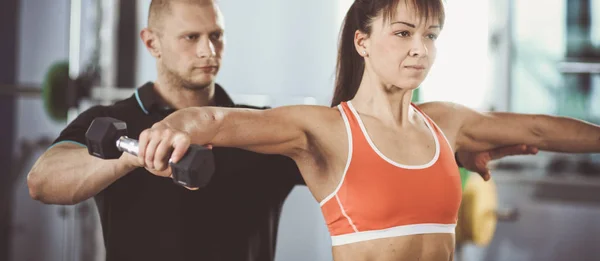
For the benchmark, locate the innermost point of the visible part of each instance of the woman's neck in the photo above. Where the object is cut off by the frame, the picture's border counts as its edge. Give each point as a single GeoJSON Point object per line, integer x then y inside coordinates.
{"type": "Point", "coordinates": [388, 103]}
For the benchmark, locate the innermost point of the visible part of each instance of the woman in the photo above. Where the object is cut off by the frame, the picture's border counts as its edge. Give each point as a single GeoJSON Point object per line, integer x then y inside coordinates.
{"type": "Point", "coordinates": [382, 169]}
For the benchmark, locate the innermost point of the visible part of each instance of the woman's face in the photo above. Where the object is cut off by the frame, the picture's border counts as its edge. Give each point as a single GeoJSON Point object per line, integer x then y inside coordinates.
{"type": "Point", "coordinates": [402, 50]}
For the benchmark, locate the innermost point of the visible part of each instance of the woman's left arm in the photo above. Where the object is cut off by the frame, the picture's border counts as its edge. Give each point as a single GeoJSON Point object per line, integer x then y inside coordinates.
{"type": "Point", "coordinates": [484, 131]}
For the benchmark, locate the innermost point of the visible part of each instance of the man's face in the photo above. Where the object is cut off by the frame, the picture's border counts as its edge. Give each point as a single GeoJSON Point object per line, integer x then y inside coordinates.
{"type": "Point", "coordinates": [191, 44]}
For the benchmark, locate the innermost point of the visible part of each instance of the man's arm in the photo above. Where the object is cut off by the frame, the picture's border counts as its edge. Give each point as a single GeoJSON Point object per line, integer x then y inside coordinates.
{"type": "Point", "coordinates": [67, 174]}
{"type": "Point", "coordinates": [479, 161]}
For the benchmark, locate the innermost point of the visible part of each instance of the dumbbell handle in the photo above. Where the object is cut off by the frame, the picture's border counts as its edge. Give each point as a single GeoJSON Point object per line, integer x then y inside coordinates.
{"type": "Point", "coordinates": [190, 179]}
{"type": "Point", "coordinates": [128, 145]}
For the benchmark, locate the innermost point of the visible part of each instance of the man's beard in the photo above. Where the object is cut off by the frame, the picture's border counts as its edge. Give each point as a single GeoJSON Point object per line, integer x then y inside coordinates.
{"type": "Point", "coordinates": [179, 81]}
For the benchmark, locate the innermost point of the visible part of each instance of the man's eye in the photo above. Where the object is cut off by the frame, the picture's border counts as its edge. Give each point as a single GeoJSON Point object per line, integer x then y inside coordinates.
{"type": "Point", "coordinates": [216, 36]}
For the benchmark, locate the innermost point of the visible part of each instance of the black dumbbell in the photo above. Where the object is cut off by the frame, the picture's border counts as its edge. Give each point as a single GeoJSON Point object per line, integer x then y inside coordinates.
{"type": "Point", "coordinates": [107, 139]}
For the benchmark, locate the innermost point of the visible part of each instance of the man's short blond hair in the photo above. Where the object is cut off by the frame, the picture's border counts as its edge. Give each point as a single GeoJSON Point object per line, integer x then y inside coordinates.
{"type": "Point", "coordinates": [159, 9]}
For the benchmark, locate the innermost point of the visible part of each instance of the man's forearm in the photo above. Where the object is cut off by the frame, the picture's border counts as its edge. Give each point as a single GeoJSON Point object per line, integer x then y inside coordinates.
{"type": "Point", "coordinates": [67, 174]}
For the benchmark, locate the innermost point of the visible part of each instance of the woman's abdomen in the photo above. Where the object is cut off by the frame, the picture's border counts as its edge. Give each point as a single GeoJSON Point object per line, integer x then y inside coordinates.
{"type": "Point", "coordinates": [423, 247]}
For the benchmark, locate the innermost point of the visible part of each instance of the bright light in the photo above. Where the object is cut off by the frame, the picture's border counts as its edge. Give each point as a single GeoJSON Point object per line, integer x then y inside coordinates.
{"type": "Point", "coordinates": [460, 73]}
{"type": "Point", "coordinates": [343, 6]}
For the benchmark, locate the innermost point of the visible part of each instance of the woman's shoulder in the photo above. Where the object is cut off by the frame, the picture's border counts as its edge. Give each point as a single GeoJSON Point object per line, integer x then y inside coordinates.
{"type": "Point", "coordinates": [313, 112]}
{"type": "Point", "coordinates": [439, 109]}
{"type": "Point", "coordinates": [316, 118]}
{"type": "Point", "coordinates": [446, 115]}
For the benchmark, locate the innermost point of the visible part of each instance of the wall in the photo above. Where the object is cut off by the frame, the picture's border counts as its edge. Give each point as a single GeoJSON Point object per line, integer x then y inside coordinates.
{"type": "Point", "coordinates": [8, 18]}
{"type": "Point", "coordinates": [43, 40]}
{"type": "Point", "coordinates": [44, 232]}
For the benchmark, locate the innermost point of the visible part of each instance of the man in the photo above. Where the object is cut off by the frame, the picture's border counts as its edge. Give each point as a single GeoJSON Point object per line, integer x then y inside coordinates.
{"type": "Point", "coordinates": [146, 217]}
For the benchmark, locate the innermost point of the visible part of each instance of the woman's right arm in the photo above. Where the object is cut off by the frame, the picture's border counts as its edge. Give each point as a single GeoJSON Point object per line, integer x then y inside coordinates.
{"type": "Point", "coordinates": [284, 130]}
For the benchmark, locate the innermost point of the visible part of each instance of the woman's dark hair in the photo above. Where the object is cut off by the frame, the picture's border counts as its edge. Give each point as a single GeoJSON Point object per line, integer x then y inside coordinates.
{"type": "Point", "coordinates": [350, 65]}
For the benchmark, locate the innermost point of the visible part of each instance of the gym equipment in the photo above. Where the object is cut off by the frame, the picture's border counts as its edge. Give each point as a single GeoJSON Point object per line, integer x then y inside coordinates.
{"type": "Point", "coordinates": [55, 89]}
{"type": "Point", "coordinates": [106, 138]}
{"type": "Point", "coordinates": [22, 90]}
{"type": "Point", "coordinates": [416, 95]}
{"type": "Point", "coordinates": [479, 213]}
{"type": "Point", "coordinates": [59, 91]}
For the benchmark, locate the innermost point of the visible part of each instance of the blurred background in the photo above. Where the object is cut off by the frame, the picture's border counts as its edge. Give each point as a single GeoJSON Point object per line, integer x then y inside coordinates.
{"type": "Point", "coordinates": [528, 56]}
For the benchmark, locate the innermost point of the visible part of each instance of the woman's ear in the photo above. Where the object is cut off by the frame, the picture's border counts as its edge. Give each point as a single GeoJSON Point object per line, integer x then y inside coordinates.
{"type": "Point", "coordinates": [361, 43]}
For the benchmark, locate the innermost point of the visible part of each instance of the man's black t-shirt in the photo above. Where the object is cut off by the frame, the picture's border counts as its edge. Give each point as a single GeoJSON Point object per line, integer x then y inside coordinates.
{"type": "Point", "coordinates": [146, 217]}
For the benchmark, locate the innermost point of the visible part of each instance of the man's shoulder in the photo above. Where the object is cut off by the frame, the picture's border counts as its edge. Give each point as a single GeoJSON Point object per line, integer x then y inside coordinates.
{"type": "Point", "coordinates": [117, 108]}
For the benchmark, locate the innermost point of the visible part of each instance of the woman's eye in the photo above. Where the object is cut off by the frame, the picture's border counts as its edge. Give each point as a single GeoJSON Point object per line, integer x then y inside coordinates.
{"type": "Point", "coordinates": [403, 33]}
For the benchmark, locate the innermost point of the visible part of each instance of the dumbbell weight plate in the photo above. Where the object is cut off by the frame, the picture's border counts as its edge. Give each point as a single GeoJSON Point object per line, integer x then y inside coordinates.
{"type": "Point", "coordinates": [198, 159]}
{"type": "Point", "coordinates": [54, 91]}
{"type": "Point", "coordinates": [102, 135]}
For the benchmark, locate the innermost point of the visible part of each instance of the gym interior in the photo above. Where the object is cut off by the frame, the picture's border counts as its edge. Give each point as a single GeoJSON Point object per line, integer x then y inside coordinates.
{"type": "Point", "coordinates": [526, 56]}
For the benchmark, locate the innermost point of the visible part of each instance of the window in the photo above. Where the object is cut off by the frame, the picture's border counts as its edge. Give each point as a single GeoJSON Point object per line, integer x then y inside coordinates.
{"type": "Point", "coordinates": [556, 58]}
{"type": "Point", "coordinates": [460, 73]}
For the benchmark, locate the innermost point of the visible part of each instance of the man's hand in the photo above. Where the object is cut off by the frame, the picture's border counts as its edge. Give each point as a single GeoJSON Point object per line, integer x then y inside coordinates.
{"type": "Point", "coordinates": [478, 161]}
{"type": "Point", "coordinates": [133, 162]}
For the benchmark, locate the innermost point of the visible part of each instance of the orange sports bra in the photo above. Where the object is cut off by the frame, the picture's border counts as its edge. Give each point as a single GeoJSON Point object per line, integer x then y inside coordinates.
{"type": "Point", "coordinates": [379, 198]}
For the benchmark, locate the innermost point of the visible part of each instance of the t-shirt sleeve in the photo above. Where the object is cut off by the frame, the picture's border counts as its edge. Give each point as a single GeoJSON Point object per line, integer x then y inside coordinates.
{"type": "Point", "coordinates": [76, 129]}
{"type": "Point", "coordinates": [285, 169]}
